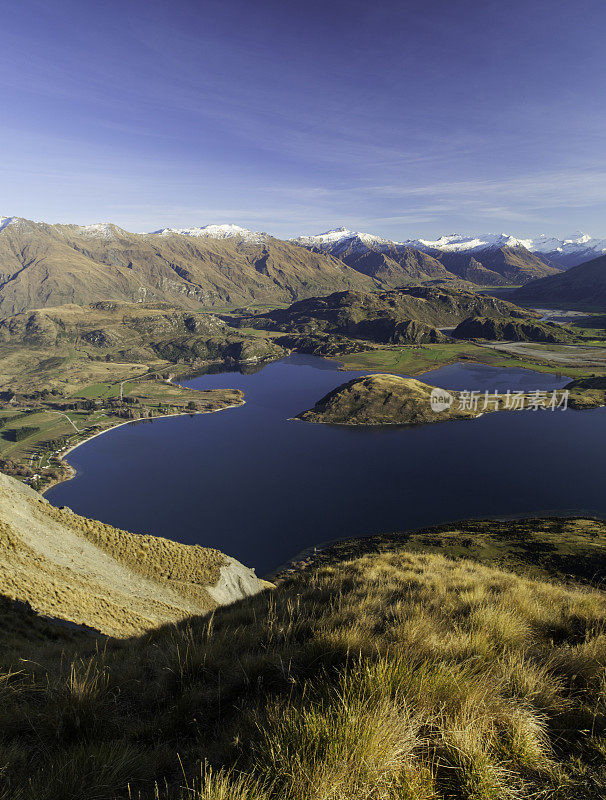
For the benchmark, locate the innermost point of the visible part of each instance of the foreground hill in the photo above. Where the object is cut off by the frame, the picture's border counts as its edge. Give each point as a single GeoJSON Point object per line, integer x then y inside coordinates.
{"type": "Point", "coordinates": [373, 673]}
{"type": "Point", "coordinates": [580, 286]}
{"type": "Point", "coordinates": [85, 572]}
{"type": "Point", "coordinates": [49, 265]}
{"type": "Point", "coordinates": [411, 314]}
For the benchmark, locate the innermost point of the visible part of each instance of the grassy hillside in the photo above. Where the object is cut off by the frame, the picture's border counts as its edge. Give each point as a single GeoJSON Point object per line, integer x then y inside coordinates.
{"type": "Point", "coordinates": [382, 675]}
{"type": "Point", "coordinates": [49, 265]}
{"type": "Point", "coordinates": [384, 316]}
{"type": "Point", "coordinates": [556, 549]}
{"type": "Point", "coordinates": [89, 573]}
{"type": "Point", "coordinates": [66, 347]}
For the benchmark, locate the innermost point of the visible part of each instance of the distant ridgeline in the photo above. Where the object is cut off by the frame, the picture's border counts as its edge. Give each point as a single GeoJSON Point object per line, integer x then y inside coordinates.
{"type": "Point", "coordinates": [223, 266]}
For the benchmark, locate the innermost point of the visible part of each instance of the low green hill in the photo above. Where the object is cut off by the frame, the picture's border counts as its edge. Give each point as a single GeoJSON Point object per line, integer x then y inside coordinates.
{"type": "Point", "coordinates": [393, 400]}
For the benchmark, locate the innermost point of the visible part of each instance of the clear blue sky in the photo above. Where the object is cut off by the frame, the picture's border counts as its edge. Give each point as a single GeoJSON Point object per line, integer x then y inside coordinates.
{"type": "Point", "coordinates": [406, 118]}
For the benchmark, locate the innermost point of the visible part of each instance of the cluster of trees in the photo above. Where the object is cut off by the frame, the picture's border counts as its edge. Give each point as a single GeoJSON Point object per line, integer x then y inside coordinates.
{"type": "Point", "coordinates": [51, 445]}
{"type": "Point", "coordinates": [41, 394]}
{"type": "Point", "coordinates": [17, 434]}
{"type": "Point", "coordinates": [80, 405]}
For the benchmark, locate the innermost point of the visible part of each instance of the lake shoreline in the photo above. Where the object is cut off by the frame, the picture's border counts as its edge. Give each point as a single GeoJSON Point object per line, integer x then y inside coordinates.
{"type": "Point", "coordinates": [240, 458]}
{"type": "Point", "coordinates": [72, 472]}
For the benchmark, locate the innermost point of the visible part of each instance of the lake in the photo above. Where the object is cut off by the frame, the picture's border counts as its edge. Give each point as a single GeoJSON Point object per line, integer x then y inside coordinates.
{"type": "Point", "coordinates": [261, 487]}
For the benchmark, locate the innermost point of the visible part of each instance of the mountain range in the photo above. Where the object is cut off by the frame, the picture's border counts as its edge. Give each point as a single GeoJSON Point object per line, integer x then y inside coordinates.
{"type": "Point", "coordinates": [562, 253]}
{"type": "Point", "coordinates": [45, 265]}
{"type": "Point", "coordinates": [219, 266]}
{"type": "Point", "coordinates": [494, 260]}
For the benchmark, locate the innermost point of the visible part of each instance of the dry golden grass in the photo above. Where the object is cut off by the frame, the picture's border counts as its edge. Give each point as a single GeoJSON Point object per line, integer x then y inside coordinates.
{"type": "Point", "coordinates": [89, 573]}
{"type": "Point", "coordinates": [385, 677]}
{"type": "Point", "coordinates": [185, 568]}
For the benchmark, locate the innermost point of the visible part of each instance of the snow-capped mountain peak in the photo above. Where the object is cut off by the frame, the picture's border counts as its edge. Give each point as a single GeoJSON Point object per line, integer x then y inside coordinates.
{"type": "Point", "coordinates": [561, 252]}
{"type": "Point", "coordinates": [101, 230]}
{"type": "Point", "coordinates": [455, 242]}
{"type": "Point", "coordinates": [340, 239]}
{"type": "Point", "coordinates": [226, 231]}
{"type": "Point", "coordinates": [568, 252]}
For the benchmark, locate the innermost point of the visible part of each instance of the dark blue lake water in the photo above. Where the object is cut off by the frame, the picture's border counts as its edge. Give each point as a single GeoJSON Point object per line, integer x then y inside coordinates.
{"type": "Point", "coordinates": [261, 488]}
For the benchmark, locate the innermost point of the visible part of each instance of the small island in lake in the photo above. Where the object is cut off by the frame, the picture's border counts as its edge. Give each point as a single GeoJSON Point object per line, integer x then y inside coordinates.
{"type": "Point", "coordinates": [393, 400]}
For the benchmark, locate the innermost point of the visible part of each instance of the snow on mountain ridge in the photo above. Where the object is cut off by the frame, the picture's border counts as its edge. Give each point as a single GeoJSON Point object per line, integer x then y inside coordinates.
{"type": "Point", "coordinates": [226, 231]}
{"type": "Point", "coordinates": [103, 230]}
{"type": "Point", "coordinates": [456, 242]}
{"type": "Point", "coordinates": [567, 252]}
{"type": "Point", "coordinates": [563, 252]}
{"type": "Point", "coordinates": [338, 240]}
{"type": "Point", "coordinates": [580, 242]}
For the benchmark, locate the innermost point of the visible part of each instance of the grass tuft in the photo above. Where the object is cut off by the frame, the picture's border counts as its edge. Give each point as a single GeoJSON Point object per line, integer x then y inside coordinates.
{"type": "Point", "coordinates": [391, 676]}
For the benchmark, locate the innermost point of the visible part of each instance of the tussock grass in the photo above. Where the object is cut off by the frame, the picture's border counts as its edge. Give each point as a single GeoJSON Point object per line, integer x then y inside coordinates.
{"type": "Point", "coordinates": [387, 677]}
{"type": "Point", "coordinates": [185, 568]}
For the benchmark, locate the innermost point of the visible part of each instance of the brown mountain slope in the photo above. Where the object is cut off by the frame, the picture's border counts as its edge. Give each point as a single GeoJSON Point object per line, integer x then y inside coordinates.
{"type": "Point", "coordinates": [496, 266]}
{"type": "Point", "coordinates": [394, 266]}
{"type": "Point", "coordinates": [584, 285]}
{"type": "Point", "coordinates": [83, 571]}
{"type": "Point", "coordinates": [49, 265]}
